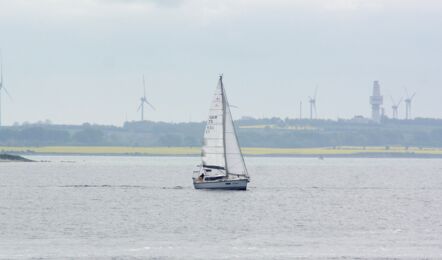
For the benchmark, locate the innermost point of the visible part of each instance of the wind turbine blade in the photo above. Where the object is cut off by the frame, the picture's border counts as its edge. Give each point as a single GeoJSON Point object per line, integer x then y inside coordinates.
{"type": "Point", "coordinates": [144, 87]}
{"type": "Point", "coordinates": [1, 69]}
{"type": "Point", "coordinates": [316, 92]}
{"type": "Point", "coordinates": [392, 100]}
{"type": "Point", "coordinates": [139, 107]}
{"type": "Point", "coordinates": [400, 101]}
{"type": "Point", "coordinates": [147, 102]}
{"type": "Point", "coordinates": [2, 84]}
{"type": "Point", "coordinates": [406, 92]}
{"type": "Point", "coordinates": [7, 93]}
{"type": "Point", "coordinates": [413, 95]}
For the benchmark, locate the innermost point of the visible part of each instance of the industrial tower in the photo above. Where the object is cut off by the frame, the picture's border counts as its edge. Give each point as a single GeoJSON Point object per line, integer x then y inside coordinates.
{"type": "Point", "coordinates": [376, 102]}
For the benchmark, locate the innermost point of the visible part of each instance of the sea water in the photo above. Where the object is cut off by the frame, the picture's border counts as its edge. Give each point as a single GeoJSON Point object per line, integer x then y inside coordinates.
{"type": "Point", "coordinates": [146, 208]}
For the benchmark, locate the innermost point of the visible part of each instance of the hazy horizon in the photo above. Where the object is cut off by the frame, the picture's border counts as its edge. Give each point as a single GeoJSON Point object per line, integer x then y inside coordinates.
{"type": "Point", "coordinates": [82, 61]}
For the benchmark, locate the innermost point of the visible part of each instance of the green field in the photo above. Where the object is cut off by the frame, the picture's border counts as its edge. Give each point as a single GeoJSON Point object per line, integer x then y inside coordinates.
{"type": "Point", "coordinates": [294, 128]}
{"type": "Point", "coordinates": [117, 150]}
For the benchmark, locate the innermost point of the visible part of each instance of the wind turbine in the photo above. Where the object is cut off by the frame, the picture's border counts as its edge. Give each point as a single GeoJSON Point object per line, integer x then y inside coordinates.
{"type": "Point", "coordinates": [395, 107]}
{"type": "Point", "coordinates": [143, 100]}
{"type": "Point", "coordinates": [312, 101]}
{"type": "Point", "coordinates": [300, 110]}
{"type": "Point", "coordinates": [2, 87]}
{"type": "Point", "coordinates": [408, 101]}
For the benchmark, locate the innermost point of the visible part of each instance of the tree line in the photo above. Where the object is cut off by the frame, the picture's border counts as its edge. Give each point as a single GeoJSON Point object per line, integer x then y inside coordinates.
{"type": "Point", "coordinates": [267, 132]}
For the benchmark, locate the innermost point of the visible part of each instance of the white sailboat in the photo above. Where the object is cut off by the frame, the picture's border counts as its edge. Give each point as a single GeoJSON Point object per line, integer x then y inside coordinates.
{"type": "Point", "coordinates": [223, 165]}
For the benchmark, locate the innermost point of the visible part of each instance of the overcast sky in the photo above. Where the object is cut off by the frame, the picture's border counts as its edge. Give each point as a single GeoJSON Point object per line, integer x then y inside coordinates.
{"type": "Point", "coordinates": [75, 61]}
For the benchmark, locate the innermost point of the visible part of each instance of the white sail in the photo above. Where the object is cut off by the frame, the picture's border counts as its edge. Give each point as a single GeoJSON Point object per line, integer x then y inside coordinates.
{"type": "Point", "coordinates": [223, 165]}
{"type": "Point", "coordinates": [234, 159]}
{"type": "Point", "coordinates": [212, 152]}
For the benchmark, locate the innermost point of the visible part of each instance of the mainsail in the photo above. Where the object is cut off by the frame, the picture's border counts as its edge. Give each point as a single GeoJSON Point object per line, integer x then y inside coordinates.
{"type": "Point", "coordinates": [213, 148]}
{"type": "Point", "coordinates": [221, 148]}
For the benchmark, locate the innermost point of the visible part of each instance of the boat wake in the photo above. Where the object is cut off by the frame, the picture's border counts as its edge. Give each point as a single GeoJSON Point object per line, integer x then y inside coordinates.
{"type": "Point", "coordinates": [124, 187]}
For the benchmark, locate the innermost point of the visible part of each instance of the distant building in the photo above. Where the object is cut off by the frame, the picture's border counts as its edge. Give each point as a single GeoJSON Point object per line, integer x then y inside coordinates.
{"type": "Point", "coordinates": [376, 101]}
{"type": "Point", "coordinates": [360, 120]}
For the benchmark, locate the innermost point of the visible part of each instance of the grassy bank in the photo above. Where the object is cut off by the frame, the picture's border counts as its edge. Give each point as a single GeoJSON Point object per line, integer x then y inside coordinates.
{"type": "Point", "coordinates": [326, 151]}
{"type": "Point", "coordinates": [12, 158]}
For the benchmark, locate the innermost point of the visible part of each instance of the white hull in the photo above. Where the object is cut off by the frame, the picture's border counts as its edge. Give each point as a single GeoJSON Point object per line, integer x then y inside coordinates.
{"type": "Point", "coordinates": [222, 184]}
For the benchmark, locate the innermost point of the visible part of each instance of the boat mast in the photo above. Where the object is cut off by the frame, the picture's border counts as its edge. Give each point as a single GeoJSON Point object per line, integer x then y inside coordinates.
{"type": "Point", "coordinates": [223, 98]}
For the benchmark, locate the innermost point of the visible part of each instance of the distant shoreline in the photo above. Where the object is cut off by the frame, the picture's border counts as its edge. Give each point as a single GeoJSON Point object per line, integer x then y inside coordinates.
{"type": "Point", "coordinates": [12, 158]}
{"type": "Point", "coordinates": [325, 152]}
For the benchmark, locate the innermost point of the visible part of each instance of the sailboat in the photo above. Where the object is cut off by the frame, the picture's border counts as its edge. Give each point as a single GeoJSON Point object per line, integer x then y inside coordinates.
{"type": "Point", "coordinates": [223, 165]}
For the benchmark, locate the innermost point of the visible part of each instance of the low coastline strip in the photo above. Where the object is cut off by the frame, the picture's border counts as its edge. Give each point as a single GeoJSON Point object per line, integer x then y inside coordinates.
{"type": "Point", "coordinates": [370, 152]}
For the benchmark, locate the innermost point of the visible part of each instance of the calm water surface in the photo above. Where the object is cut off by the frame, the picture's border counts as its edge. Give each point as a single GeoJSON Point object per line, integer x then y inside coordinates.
{"type": "Point", "coordinates": [146, 207]}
